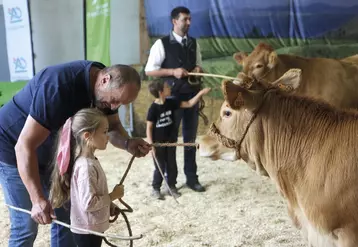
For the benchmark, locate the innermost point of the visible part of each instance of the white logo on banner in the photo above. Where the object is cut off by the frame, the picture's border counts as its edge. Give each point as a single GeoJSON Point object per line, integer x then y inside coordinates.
{"type": "Point", "coordinates": [18, 39]}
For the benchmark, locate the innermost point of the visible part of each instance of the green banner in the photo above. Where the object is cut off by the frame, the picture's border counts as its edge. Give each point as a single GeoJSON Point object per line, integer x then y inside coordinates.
{"type": "Point", "coordinates": [98, 31]}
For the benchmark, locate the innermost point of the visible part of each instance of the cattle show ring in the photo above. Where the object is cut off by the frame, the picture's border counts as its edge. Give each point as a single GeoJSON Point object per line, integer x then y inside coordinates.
{"type": "Point", "coordinates": [274, 139]}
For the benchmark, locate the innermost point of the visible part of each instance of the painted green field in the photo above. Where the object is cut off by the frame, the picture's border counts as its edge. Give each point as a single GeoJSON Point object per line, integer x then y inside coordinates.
{"type": "Point", "coordinates": [217, 56]}
{"type": "Point", "coordinates": [217, 52]}
{"type": "Point", "coordinates": [8, 89]}
{"type": "Point", "coordinates": [221, 47]}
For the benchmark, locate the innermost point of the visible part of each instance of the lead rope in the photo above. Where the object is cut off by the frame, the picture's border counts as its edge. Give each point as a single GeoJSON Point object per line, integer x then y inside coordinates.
{"type": "Point", "coordinates": [202, 101]}
{"type": "Point", "coordinates": [230, 143]}
{"type": "Point", "coordinates": [122, 211]}
{"type": "Point", "coordinates": [128, 208]}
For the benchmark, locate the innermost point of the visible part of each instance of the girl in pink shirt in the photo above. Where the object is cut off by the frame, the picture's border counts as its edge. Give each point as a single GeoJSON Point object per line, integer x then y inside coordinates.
{"type": "Point", "coordinates": [79, 178]}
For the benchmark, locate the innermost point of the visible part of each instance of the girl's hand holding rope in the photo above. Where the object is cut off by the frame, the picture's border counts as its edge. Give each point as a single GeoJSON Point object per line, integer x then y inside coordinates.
{"type": "Point", "coordinates": [117, 193]}
{"type": "Point", "coordinates": [114, 210]}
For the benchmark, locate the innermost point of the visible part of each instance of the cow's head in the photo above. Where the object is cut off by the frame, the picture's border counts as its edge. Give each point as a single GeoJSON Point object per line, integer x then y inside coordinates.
{"type": "Point", "coordinates": [261, 60]}
{"type": "Point", "coordinates": [242, 98]}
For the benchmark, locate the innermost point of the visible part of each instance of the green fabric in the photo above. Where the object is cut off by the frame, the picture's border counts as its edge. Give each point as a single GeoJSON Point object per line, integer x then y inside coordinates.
{"type": "Point", "coordinates": [9, 89]}
{"type": "Point", "coordinates": [217, 53]}
{"type": "Point", "coordinates": [98, 31]}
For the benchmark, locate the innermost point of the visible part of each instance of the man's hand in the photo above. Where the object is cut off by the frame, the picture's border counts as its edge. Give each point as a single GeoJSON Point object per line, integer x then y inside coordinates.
{"type": "Point", "coordinates": [42, 212]}
{"type": "Point", "coordinates": [180, 73]}
{"type": "Point", "coordinates": [193, 78]}
{"type": "Point", "coordinates": [197, 69]}
{"type": "Point", "coordinates": [138, 147]}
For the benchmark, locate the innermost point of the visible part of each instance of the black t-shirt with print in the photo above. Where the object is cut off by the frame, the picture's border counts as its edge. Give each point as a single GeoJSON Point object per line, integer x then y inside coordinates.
{"type": "Point", "coordinates": [162, 117]}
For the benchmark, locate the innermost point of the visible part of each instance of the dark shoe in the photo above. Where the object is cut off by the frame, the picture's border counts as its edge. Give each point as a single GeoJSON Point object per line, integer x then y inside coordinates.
{"type": "Point", "coordinates": [196, 187]}
{"type": "Point", "coordinates": [157, 195]}
{"type": "Point", "coordinates": [175, 192]}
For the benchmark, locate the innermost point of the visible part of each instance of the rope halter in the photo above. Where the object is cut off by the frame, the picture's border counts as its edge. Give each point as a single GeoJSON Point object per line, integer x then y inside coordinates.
{"type": "Point", "coordinates": [230, 143]}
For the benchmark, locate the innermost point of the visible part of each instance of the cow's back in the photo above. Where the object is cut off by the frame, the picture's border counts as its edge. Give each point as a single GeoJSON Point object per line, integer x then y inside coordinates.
{"type": "Point", "coordinates": [332, 80]}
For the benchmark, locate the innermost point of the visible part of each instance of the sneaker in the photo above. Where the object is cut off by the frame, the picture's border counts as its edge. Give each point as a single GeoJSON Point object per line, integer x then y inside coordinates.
{"type": "Point", "coordinates": [157, 195]}
{"type": "Point", "coordinates": [175, 192]}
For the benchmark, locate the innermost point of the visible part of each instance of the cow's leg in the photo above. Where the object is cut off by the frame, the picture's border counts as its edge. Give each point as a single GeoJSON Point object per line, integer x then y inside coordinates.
{"type": "Point", "coordinates": [293, 217]}
{"type": "Point", "coordinates": [309, 233]}
{"type": "Point", "coordinates": [347, 237]}
{"type": "Point", "coordinates": [296, 222]}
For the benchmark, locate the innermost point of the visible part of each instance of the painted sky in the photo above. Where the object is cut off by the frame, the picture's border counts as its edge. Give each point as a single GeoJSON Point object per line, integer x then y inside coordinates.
{"type": "Point", "coordinates": [237, 18]}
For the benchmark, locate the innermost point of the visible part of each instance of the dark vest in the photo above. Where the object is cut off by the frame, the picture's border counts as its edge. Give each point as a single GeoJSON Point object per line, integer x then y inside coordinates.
{"type": "Point", "coordinates": [177, 56]}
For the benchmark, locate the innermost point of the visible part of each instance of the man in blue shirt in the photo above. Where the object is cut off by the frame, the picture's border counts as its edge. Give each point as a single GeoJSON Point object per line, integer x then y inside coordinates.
{"type": "Point", "coordinates": [29, 124]}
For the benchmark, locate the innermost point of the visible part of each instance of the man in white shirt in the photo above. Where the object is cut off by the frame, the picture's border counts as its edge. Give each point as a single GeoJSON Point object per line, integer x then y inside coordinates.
{"type": "Point", "coordinates": [173, 57]}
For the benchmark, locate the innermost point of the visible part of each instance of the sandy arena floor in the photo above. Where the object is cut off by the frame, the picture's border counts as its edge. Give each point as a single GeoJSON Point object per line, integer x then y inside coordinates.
{"type": "Point", "coordinates": [239, 208]}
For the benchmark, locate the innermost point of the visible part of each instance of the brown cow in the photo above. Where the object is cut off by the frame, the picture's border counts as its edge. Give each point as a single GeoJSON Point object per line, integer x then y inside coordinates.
{"type": "Point", "coordinates": [306, 146]}
{"type": "Point", "coordinates": [352, 59]}
{"type": "Point", "coordinates": [335, 81]}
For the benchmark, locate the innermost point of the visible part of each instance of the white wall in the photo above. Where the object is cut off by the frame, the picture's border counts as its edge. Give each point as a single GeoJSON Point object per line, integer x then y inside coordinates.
{"type": "Point", "coordinates": [125, 43]}
{"type": "Point", "coordinates": [58, 35]}
{"type": "Point", "coordinates": [57, 29]}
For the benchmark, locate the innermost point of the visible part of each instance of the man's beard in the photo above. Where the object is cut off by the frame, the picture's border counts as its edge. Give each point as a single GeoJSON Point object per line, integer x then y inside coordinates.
{"type": "Point", "coordinates": [185, 30]}
{"type": "Point", "coordinates": [101, 105]}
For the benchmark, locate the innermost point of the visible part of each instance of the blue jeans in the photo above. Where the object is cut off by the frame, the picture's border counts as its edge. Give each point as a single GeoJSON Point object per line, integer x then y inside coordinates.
{"type": "Point", "coordinates": [190, 117]}
{"type": "Point", "coordinates": [23, 229]}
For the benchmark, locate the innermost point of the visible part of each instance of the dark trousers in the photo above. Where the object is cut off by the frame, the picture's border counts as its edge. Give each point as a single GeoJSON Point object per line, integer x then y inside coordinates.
{"type": "Point", "coordinates": [87, 240]}
{"type": "Point", "coordinates": [167, 161]}
{"type": "Point", "coordinates": [190, 117]}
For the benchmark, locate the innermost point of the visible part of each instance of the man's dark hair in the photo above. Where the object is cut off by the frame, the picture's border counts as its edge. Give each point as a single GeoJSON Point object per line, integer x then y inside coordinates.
{"type": "Point", "coordinates": [180, 9]}
{"type": "Point", "coordinates": [156, 86]}
{"type": "Point", "coordinates": [122, 74]}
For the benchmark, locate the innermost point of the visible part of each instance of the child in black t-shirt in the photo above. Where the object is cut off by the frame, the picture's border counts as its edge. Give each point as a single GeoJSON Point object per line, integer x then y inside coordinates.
{"type": "Point", "coordinates": [161, 128]}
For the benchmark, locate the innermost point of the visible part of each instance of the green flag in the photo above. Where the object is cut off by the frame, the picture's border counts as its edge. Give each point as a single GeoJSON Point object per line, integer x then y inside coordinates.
{"type": "Point", "coordinates": [98, 31]}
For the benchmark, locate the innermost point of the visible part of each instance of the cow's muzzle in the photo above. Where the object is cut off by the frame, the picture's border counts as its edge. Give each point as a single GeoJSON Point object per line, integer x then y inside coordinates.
{"type": "Point", "coordinates": [225, 141]}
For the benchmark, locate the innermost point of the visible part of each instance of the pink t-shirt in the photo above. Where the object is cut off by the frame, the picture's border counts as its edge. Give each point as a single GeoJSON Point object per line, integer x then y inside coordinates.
{"type": "Point", "coordinates": [90, 202]}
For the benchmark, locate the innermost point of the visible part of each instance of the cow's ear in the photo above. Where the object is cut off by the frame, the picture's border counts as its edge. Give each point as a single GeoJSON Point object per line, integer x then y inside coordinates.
{"type": "Point", "coordinates": [272, 60]}
{"type": "Point", "coordinates": [237, 96]}
{"type": "Point", "coordinates": [289, 81]}
{"type": "Point", "coordinates": [239, 57]}
{"type": "Point", "coordinates": [233, 94]}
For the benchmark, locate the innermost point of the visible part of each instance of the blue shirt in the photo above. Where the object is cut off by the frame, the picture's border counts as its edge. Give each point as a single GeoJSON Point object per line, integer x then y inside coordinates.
{"type": "Point", "coordinates": [50, 97]}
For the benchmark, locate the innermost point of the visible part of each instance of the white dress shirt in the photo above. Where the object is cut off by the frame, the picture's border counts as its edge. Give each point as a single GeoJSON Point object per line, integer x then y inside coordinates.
{"type": "Point", "coordinates": [157, 54]}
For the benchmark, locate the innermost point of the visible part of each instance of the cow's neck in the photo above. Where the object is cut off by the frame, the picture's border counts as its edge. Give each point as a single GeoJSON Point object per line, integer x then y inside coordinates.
{"type": "Point", "coordinates": [289, 131]}
{"type": "Point", "coordinates": [279, 137]}
{"type": "Point", "coordinates": [285, 63]}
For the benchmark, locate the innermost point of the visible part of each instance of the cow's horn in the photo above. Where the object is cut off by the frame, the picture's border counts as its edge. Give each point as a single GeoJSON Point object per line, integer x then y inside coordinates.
{"type": "Point", "coordinates": [240, 79]}
{"type": "Point", "coordinates": [237, 82]}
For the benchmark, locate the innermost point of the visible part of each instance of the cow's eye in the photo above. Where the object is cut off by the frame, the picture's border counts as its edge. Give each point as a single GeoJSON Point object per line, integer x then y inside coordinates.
{"type": "Point", "coordinates": [227, 113]}
{"type": "Point", "coordinates": [259, 66]}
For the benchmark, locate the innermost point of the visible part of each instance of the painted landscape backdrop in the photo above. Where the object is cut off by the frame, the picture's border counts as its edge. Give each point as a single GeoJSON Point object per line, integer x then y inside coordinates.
{"type": "Point", "coordinates": [313, 28]}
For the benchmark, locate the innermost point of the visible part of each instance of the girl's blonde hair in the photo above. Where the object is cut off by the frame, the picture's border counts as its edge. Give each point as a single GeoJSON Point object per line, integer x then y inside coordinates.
{"type": "Point", "coordinates": [85, 120]}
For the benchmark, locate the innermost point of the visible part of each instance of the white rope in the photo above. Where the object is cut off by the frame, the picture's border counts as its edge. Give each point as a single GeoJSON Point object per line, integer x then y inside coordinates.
{"type": "Point", "coordinates": [213, 75]}
{"type": "Point", "coordinates": [165, 181]}
{"type": "Point", "coordinates": [83, 230]}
